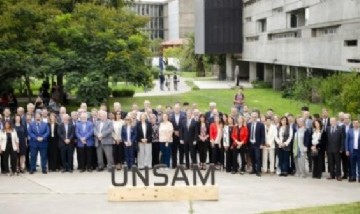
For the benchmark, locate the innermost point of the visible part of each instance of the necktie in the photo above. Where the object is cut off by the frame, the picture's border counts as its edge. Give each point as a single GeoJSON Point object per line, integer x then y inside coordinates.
{"type": "Point", "coordinates": [66, 132]}
{"type": "Point", "coordinates": [37, 127]}
{"type": "Point", "coordinates": [253, 132]}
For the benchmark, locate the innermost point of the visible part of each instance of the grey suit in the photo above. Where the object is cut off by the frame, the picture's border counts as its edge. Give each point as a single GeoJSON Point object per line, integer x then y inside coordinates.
{"type": "Point", "coordinates": [105, 145]}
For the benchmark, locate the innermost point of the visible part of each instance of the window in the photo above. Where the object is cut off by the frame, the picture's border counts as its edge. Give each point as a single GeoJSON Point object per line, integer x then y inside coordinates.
{"type": "Point", "coordinates": [277, 10]}
{"type": "Point", "coordinates": [252, 38]}
{"type": "Point", "coordinates": [248, 19]}
{"type": "Point", "coordinates": [353, 60]}
{"type": "Point", "coordinates": [351, 43]}
{"type": "Point", "coordinates": [285, 35]}
{"type": "Point", "coordinates": [325, 31]}
{"type": "Point", "coordinates": [298, 18]}
{"type": "Point", "coordinates": [261, 25]}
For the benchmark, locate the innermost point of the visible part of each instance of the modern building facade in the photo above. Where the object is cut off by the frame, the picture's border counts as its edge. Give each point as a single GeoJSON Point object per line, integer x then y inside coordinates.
{"type": "Point", "coordinates": [288, 39]}
{"type": "Point", "coordinates": [154, 10]}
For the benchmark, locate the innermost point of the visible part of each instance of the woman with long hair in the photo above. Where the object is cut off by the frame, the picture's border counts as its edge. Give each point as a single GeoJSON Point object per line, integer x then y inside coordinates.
{"type": "Point", "coordinates": [317, 148]}
{"type": "Point", "coordinates": [202, 135]}
{"type": "Point", "coordinates": [118, 147]}
{"type": "Point", "coordinates": [53, 148]}
{"type": "Point", "coordinates": [216, 134]}
{"type": "Point", "coordinates": [9, 143]}
{"type": "Point", "coordinates": [22, 135]}
{"type": "Point", "coordinates": [166, 131]}
{"type": "Point", "coordinates": [285, 135]}
{"type": "Point", "coordinates": [239, 135]}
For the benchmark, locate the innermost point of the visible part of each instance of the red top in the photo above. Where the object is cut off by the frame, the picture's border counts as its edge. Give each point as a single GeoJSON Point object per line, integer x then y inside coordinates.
{"type": "Point", "coordinates": [213, 131]}
{"type": "Point", "coordinates": [242, 137]}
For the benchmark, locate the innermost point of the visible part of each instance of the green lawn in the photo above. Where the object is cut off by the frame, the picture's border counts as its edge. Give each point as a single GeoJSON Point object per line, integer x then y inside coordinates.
{"type": "Point", "coordinates": [353, 208]}
{"type": "Point", "coordinates": [255, 98]}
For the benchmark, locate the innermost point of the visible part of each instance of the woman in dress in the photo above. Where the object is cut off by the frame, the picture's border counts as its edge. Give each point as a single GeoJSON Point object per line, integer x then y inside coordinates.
{"type": "Point", "coordinates": [9, 144]}
{"type": "Point", "coordinates": [22, 135]}
{"type": "Point", "coordinates": [317, 148]}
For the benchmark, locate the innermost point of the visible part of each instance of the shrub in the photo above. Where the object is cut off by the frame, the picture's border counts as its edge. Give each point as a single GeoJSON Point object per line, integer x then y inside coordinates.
{"type": "Point", "coordinates": [195, 88]}
{"type": "Point", "coordinates": [155, 72]}
{"type": "Point", "coordinates": [125, 92]}
{"type": "Point", "coordinates": [261, 84]}
{"type": "Point", "coordinates": [171, 68]}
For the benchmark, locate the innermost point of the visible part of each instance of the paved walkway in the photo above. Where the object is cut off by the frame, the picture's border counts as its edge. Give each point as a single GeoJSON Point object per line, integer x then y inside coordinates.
{"type": "Point", "coordinates": [86, 193]}
{"type": "Point", "coordinates": [182, 88]}
{"type": "Point", "coordinates": [215, 84]}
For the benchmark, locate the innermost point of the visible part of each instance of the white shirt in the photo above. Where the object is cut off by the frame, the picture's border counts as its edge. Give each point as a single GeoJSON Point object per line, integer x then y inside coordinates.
{"type": "Point", "coordinates": [101, 125]}
{"type": "Point", "coordinates": [315, 138]}
{"type": "Point", "coordinates": [177, 118]}
{"type": "Point", "coordinates": [143, 125]}
{"type": "Point", "coordinates": [253, 132]}
{"type": "Point", "coordinates": [52, 129]}
{"type": "Point", "coordinates": [66, 130]}
{"type": "Point", "coordinates": [356, 138]}
{"type": "Point", "coordinates": [128, 131]}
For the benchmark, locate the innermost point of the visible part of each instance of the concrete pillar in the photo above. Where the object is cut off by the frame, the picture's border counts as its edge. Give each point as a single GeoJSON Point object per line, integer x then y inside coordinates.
{"type": "Point", "coordinates": [230, 66]}
{"type": "Point", "coordinates": [252, 72]}
{"type": "Point", "coordinates": [277, 77]}
{"type": "Point", "coordinates": [268, 73]}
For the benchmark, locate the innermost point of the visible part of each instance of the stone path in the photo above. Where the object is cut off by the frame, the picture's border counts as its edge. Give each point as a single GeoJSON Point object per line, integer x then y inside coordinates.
{"type": "Point", "coordinates": [182, 88]}
{"type": "Point", "coordinates": [86, 193]}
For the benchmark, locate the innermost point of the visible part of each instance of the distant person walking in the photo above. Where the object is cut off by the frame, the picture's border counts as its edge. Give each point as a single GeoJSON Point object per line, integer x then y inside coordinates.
{"type": "Point", "coordinates": [239, 100]}
{"type": "Point", "coordinates": [168, 81]}
{"type": "Point", "coordinates": [176, 80]}
{"type": "Point", "coordinates": [162, 80]}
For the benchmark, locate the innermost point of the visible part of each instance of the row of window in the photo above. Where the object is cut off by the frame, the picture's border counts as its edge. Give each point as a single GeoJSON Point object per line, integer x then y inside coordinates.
{"type": "Point", "coordinates": [148, 9]}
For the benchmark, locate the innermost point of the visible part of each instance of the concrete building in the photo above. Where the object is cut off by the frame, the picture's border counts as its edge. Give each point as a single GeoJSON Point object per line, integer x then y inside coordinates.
{"type": "Point", "coordinates": [154, 9]}
{"type": "Point", "coordinates": [288, 39]}
{"type": "Point", "coordinates": [179, 18]}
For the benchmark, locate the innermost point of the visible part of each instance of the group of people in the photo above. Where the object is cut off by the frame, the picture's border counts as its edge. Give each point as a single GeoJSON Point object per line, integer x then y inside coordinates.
{"type": "Point", "coordinates": [166, 80]}
{"type": "Point", "coordinates": [238, 142]}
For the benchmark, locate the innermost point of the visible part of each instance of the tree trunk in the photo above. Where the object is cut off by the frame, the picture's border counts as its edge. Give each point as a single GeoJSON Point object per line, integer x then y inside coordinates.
{"type": "Point", "coordinates": [28, 88]}
{"type": "Point", "coordinates": [60, 84]}
{"type": "Point", "coordinates": [200, 67]}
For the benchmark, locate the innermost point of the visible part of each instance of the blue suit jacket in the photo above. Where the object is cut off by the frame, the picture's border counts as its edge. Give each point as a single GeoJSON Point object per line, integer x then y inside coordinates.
{"type": "Point", "coordinates": [133, 137]}
{"type": "Point", "coordinates": [43, 132]}
{"type": "Point", "coordinates": [259, 134]}
{"type": "Point", "coordinates": [349, 145]}
{"type": "Point", "coordinates": [88, 133]}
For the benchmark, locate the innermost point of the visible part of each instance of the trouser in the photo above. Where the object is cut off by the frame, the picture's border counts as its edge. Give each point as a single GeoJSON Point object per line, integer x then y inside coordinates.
{"type": "Point", "coordinates": [85, 155]}
{"type": "Point", "coordinates": [166, 149]}
{"type": "Point", "coordinates": [9, 152]}
{"type": "Point", "coordinates": [355, 164]}
{"type": "Point", "coordinates": [310, 159]}
{"type": "Point", "coordinates": [67, 156]}
{"type": "Point", "coordinates": [254, 152]}
{"type": "Point", "coordinates": [27, 158]}
{"type": "Point", "coordinates": [268, 155]}
{"type": "Point", "coordinates": [129, 156]}
{"type": "Point", "coordinates": [174, 152]}
{"type": "Point", "coordinates": [119, 153]}
{"type": "Point", "coordinates": [215, 154]}
{"type": "Point", "coordinates": [155, 153]}
{"type": "Point", "coordinates": [34, 150]}
{"type": "Point", "coordinates": [292, 167]}
{"type": "Point", "coordinates": [203, 149]}
{"type": "Point", "coordinates": [317, 165]}
{"type": "Point", "coordinates": [334, 164]}
{"type": "Point", "coordinates": [242, 152]}
{"type": "Point", "coordinates": [53, 153]}
{"type": "Point", "coordinates": [345, 164]}
{"type": "Point", "coordinates": [144, 155]}
{"type": "Point", "coordinates": [300, 161]}
{"type": "Point", "coordinates": [284, 161]}
{"type": "Point", "coordinates": [232, 164]}
{"type": "Point", "coordinates": [108, 150]}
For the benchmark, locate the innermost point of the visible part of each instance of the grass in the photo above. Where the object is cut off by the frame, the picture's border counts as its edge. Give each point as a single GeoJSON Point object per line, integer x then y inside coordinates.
{"type": "Point", "coordinates": [255, 98]}
{"type": "Point", "coordinates": [352, 208]}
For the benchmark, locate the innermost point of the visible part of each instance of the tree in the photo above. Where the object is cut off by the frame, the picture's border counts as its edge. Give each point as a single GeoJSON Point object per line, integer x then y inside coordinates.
{"type": "Point", "coordinates": [196, 61]}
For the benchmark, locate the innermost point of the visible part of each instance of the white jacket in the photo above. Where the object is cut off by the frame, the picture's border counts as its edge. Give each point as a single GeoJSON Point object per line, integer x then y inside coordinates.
{"type": "Point", "coordinates": [15, 140]}
{"type": "Point", "coordinates": [271, 135]}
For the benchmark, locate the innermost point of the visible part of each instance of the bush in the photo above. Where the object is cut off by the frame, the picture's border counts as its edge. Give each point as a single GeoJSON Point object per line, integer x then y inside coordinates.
{"type": "Point", "coordinates": [125, 92]}
{"type": "Point", "coordinates": [195, 88]}
{"type": "Point", "coordinates": [171, 68]}
{"type": "Point", "coordinates": [261, 84]}
{"type": "Point", "coordinates": [155, 72]}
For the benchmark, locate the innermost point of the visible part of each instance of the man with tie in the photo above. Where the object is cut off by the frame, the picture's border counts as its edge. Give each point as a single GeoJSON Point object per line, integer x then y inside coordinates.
{"type": "Point", "coordinates": [209, 114]}
{"type": "Point", "coordinates": [346, 126]}
{"type": "Point", "coordinates": [104, 141]}
{"type": "Point", "coordinates": [39, 134]}
{"type": "Point", "coordinates": [352, 148]}
{"type": "Point", "coordinates": [7, 116]}
{"type": "Point", "coordinates": [66, 132]}
{"type": "Point", "coordinates": [85, 135]}
{"type": "Point", "coordinates": [176, 120]}
{"type": "Point", "coordinates": [187, 136]}
{"type": "Point", "coordinates": [335, 145]}
{"type": "Point", "coordinates": [256, 139]}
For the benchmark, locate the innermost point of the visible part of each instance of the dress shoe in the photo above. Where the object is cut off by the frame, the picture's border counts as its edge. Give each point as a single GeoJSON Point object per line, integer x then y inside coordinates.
{"type": "Point", "coordinates": [100, 169]}
{"type": "Point", "coordinates": [242, 172]}
{"type": "Point", "coordinates": [44, 172]}
{"type": "Point", "coordinates": [351, 180]}
{"type": "Point", "coordinates": [344, 177]}
{"type": "Point", "coordinates": [71, 171]}
{"type": "Point", "coordinates": [31, 172]}
{"type": "Point", "coordinates": [63, 170]}
{"type": "Point", "coordinates": [253, 172]}
{"type": "Point", "coordinates": [338, 179]}
{"type": "Point", "coordinates": [89, 170]}
{"type": "Point", "coordinates": [258, 174]}
{"type": "Point", "coordinates": [330, 178]}
{"type": "Point", "coordinates": [83, 170]}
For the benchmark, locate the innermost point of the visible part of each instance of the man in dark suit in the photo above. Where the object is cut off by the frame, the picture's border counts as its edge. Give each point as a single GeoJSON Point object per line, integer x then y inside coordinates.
{"type": "Point", "coordinates": [39, 133]}
{"type": "Point", "coordinates": [346, 126]}
{"type": "Point", "coordinates": [256, 139]}
{"type": "Point", "coordinates": [209, 114]}
{"type": "Point", "coordinates": [187, 138]}
{"type": "Point", "coordinates": [352, 148]}
{"type": "Point", "coordinates": [335, 145]}
{"type": "Point", "coordinates": [66, 132]}
{"type": "Point", "coordinates": [176, 119]}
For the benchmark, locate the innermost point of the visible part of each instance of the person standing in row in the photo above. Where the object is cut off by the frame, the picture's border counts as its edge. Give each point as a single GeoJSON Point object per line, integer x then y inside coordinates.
{"type": "Point", "coordinates": [216, 134]}
{"type": "Point", "coordinates": [104, 141]}
{"type": "Point", "coordinates": [176, 120]}
{"type": "Point", "coordinates": [283, 139]}
{"type": "Point", "coordinates": [144, 139]}
{"type": "Point", "coordinates": [155, 140]}
{"type": "Point", "coordinates": [268, 150]}
{"type": "Point", "coordinates": [9, 143]}
{"type": "Point", "coordinates": [129, 137]}
{"type": "Point", "coordinates": [202, 140]}
{"type": "Point", "coordinates": [166, 131]}
{"type": "Point", "coordinates": [302, 140]}
{"type": "Point", "coordinates": [256, 139]}
{"type": "Point", "coordinates": [334, 146]}
{"type": "Point", "coordinates": [84, 132]}
{"type": "Point", "coordinates": [353, 151]}
{"type": "Point", "coordinates": [39, 133]}
{"type": "Point", "coordinates": [66, 132]}
{"type": "Point", "coordinates": [22, 135]}
{"type": "Point", "coordinates": [228, 143]}
{"type": "Point", "coordinates": [53, 149]}
{"type": "Point", "coordinates": [187, 136]}
{"type": "Point", "coordinates": [317, 148]}
{"type": "Point", "coordinates": [118, 146]}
